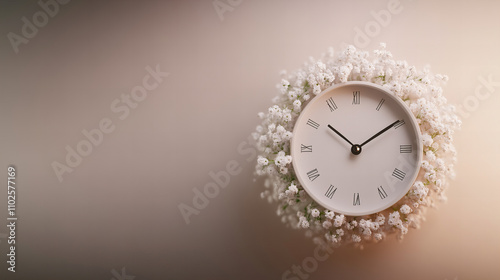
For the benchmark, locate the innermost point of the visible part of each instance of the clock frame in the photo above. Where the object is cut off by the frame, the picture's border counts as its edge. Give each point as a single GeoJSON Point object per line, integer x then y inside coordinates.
{"type": "Point", "coordinates": [356, 148]}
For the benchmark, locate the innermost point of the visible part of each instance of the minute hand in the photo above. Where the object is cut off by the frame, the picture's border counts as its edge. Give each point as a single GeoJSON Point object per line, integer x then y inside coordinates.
{"type": "Point", "coordinates": [380, 132]}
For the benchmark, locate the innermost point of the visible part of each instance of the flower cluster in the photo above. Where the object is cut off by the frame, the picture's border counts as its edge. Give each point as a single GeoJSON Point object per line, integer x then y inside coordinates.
{"type": "Point", "coordinates": [422, 93]}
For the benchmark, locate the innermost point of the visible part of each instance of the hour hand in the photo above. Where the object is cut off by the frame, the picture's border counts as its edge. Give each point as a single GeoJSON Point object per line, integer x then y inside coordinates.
{"type": "Point", "coordinates": [340, 134]}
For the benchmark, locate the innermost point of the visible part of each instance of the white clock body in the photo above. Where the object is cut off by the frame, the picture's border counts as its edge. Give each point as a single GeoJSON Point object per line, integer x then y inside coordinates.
{"type": "Point", "coordinates": [328, 168]}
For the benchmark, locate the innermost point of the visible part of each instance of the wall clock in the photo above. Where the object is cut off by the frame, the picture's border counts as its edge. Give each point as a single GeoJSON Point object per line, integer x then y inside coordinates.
{"type": "Point", "coordinates": [356, 148]}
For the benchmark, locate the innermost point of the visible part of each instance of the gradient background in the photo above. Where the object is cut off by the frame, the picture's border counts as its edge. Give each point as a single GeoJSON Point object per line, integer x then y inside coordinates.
{"type": "Point", "coordinates": [119, 207]}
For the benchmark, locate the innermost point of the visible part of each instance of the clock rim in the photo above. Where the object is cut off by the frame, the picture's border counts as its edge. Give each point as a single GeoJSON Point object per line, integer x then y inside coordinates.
{"type": "Point", "coordinates": [415, 125]}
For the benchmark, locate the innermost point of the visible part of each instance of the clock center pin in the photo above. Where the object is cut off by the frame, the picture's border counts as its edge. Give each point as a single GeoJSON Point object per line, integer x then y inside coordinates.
{"type": "Point", "coordinates": [356, 149]}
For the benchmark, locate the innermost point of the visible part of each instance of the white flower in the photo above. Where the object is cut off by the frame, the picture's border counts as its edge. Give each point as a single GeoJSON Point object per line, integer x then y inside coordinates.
{"type": "Point", "coordinates": [293, 188]}
{"type": "Point", "coordinates": [439, 183]}
{"type": "Point", "coordinates": [430, 156]}
{"type": "Point", "coordinates": [297, 105]}
{"type": "Point", "coordinates": [270, 170]}
{"type": "Point", "coordinates": [287, 117]}
{"type": "Point", "coordinates": [430, 176]}
{"type": "Point", "coordinates": [394, 218]}
{"type": "Point", "coordinates": [380, 220]}
{"type": "Point", "coordinates": [327, 224]}
{"type": "Point", "coordinates": [339, 220]}
{"type": "Point", "coordinates": [329, 214]}
{"type": "Point", "coordinates": [262, 161]}
{"type": "Point", "coordinates": [284, 86]}
{"type": "Point", "coordinates": [317, 89]}
{"type": "Point", "coordinates": [426, 139]}
{"type": "Point", "coordinates": [420, 190]}
{"type": "Point", "coordinates": [351, 225]}
{"type": "Point", "coordinates": [303, 222]}
{"type": "Point", "coordinates": [404, 229]}
{"type": "Point", "coordinates": [280, 129]}
{"type": "Point", "coordinates": [315, 213]}
{"type": "Point", "coordinates": [426, 165]}
{"type": "Point", "coordinates": [441, 166]}
{"type": "Point", "coordinates": [405, 209]}
{"type": "Point", "coordinates": [356, 238]}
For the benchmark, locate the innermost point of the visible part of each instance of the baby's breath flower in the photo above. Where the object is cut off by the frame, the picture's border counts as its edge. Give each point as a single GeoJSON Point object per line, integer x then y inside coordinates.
{"type": "Point", "coordinates": [303, 222]}
{"type": "Point", "coordinates": [262, 161]}
{"type": "Point", "coordinates": [297, 105]}
{"type": "Point", "coordinates": [427, 139]}
{"type": "Point", "coordinates": [315, 213]}
{"type": "Point", "coordinates": [430, 156]}
{"type": "Point", "coordinates": [339, 220]}
{"type": "Point", "coordinates": [284, 86]}
{"type": "Point", "coordinates": [327, 224]}
{"type": "Point", "coordinates": [329, 214]}
{"type": "Point", "coordinates": [380, 219]}
{"type": "Point", "coordinates": [394, 218]}
{"type": "Point", "coordinates": [356, 238]}
{"type": "Point", "coordinates": [293, 188]}
{"type": "Point", "coordinates": [405, 209]}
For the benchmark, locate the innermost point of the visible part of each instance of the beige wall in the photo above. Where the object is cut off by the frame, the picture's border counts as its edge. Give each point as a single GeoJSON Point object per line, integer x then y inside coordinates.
{"type": "Point", "coordinates": [119, 206]}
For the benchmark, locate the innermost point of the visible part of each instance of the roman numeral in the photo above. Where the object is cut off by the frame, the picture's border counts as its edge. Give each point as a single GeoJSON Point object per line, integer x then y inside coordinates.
{"type": "Point", "coordinates": [305, 149]}
{"type": "Point", "coordinates": [398, 124]}
{"type": "Point", "coordinates": [356, 96]}
{"type": "Point", "coordinates": [380, 104]}
{"type": "Point", "coordinates": [381, 192]}
{"type": "Point", "coordinates": [356, 200]}
{"type": "Point", "coordinates": [313, 174]}
{"type": "Point", "coordinates": [331, 104]}
{"type": "Point", "coordinates": [398, 174]}
{"type": "Point", "coordinates": [405, 149]}
{"type": "Point", "coordinates": [312, 123]}
{"type": "Point", "coordinates": [330, 192]}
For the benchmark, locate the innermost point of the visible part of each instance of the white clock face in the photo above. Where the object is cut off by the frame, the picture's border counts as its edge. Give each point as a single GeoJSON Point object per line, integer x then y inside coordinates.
{"type": "Point", "coordinates": [356, 148]}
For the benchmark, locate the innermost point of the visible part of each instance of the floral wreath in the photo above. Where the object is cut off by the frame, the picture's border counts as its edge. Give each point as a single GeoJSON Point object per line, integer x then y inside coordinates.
{"type": "Point", "coordinates": [422, 93]}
